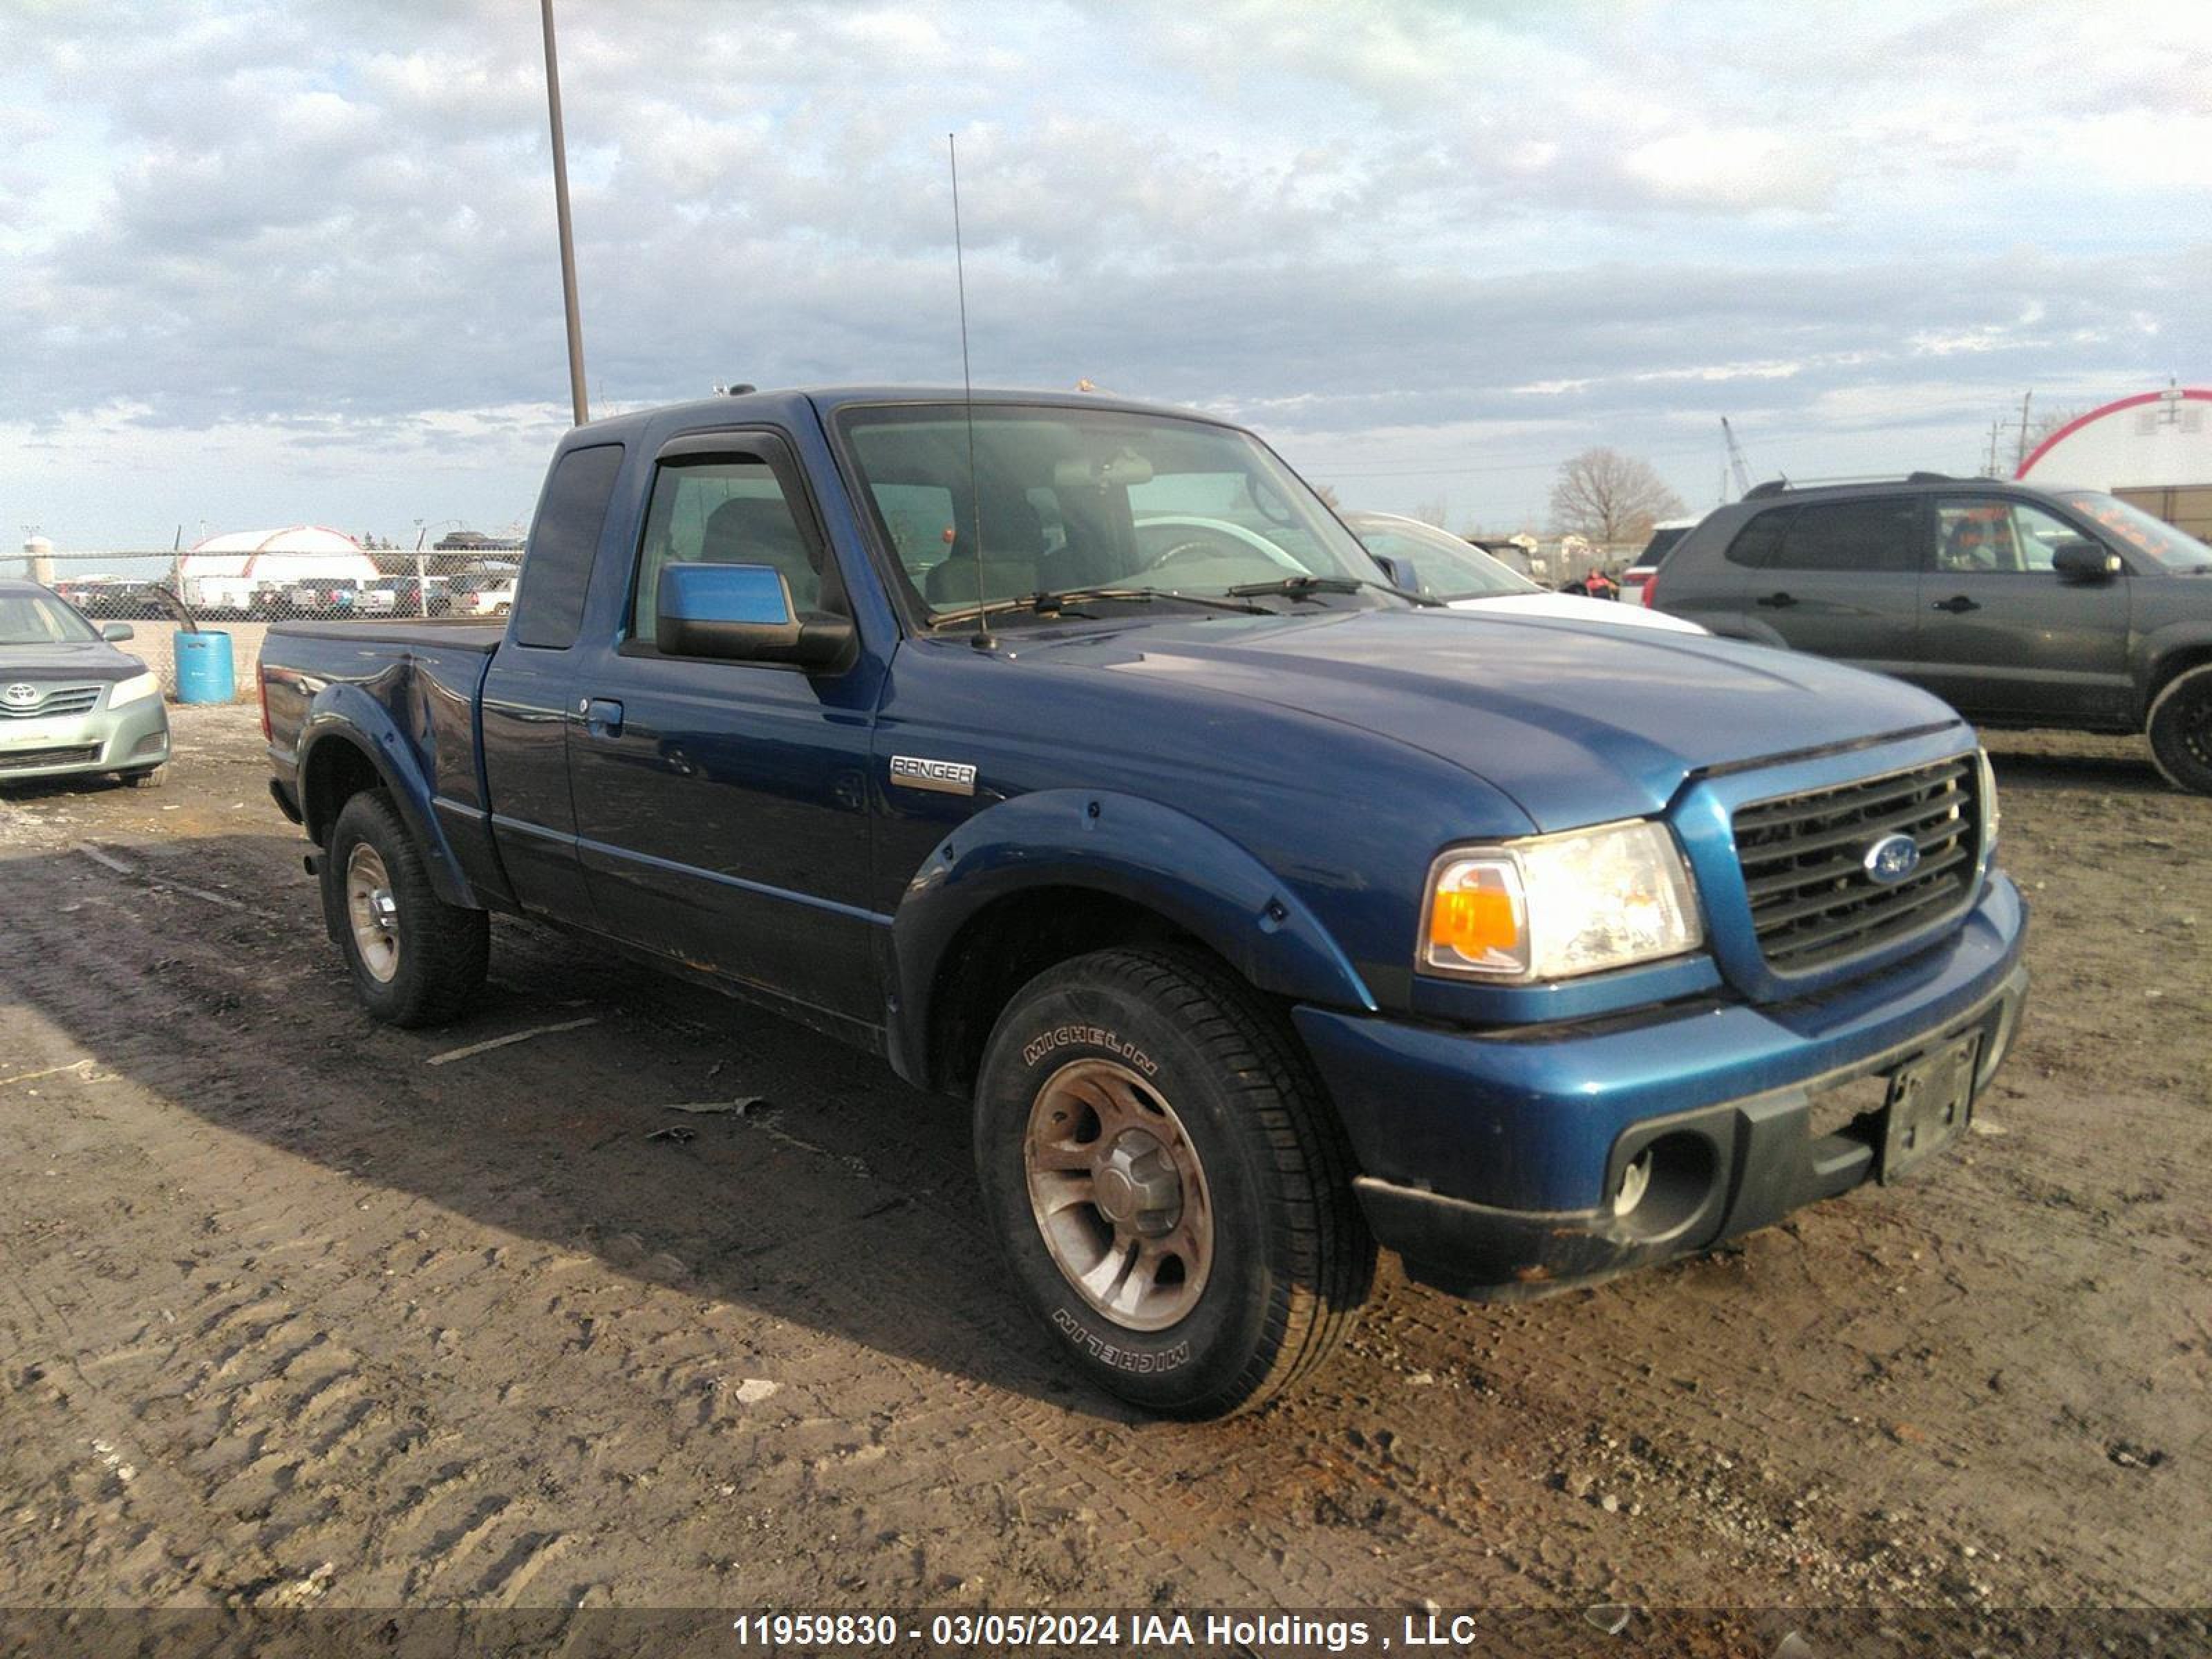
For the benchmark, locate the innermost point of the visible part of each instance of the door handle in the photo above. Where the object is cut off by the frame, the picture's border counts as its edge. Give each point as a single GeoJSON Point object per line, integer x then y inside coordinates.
{"type": "Point", "coordinates": [603, 717]}
{"type": "Point", "coordinates": [1777, 601]}
{"type": "Point", "coordinates": [1958, 605]}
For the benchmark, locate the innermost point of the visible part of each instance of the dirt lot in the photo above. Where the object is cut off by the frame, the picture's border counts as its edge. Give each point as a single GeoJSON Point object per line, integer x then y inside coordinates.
{"type": "Point", "coordinates": [296, 1308]}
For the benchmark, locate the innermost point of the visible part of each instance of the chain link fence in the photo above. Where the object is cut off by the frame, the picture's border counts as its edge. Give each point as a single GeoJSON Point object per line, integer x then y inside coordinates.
{"type": "Point", "coordinates": [159, 595]}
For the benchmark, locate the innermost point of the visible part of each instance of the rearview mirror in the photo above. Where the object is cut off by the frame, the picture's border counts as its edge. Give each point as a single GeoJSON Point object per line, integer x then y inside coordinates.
{"type": "Point", "coordinates": [2084, 561]}
{"type": "Point", "coordinates": [741, 612]}
{"type": "Point", "coordinates": [116, 632]}
{"type": "Point", "coordinates": [1122, 471]}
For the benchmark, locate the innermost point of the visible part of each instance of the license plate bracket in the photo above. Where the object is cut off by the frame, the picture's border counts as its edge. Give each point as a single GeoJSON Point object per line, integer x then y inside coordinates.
{"type": "Point", "coordinates": [1930, 1100]}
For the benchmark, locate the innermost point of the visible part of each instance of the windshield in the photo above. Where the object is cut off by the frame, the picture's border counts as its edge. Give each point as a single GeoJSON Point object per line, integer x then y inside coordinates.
{"type": "Point", "coordinates": [1664, 537]}
{"type": "Point", "coordinates": [40, 619]}
{"type": "Point", "coordinates": [1078, 499]}
{"type": "Point", "coordinates": [2169, 549]}
{"type": "Point", "coordinates": [1446, 566]}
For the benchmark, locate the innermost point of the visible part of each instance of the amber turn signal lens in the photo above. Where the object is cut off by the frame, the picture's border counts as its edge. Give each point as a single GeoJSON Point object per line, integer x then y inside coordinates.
{"type": "Point", "coordinates": [1474, 921]}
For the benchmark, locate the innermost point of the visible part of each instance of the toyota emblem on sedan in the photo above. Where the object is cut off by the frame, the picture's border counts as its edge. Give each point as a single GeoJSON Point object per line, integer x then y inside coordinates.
{"type": "Point", "coordinates": [19, 696]}
{"type": "Point", "coordinates": [1892, 858]}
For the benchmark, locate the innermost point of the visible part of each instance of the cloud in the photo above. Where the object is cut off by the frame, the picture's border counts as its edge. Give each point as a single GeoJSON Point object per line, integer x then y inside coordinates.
{"type": "Point", "coordinates": [328, 225]}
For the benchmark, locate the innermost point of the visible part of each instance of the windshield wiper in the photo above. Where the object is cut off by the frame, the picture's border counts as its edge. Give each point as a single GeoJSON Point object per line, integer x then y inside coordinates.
{"type": "Point", "coordinates": [1055, 603]}
{"type": "Point", "coordinates": [1307, 584]}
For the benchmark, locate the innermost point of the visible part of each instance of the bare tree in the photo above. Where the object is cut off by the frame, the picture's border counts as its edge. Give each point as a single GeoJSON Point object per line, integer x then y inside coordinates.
{"type": "Point", "coordinates": [2048, 422]}
{"type": "Point", "coordinates": [1429, 512]}
{"type": "Point", "coordinates": [1327, 493]}
{"type": "Point", "coordinates": [1611, 498]}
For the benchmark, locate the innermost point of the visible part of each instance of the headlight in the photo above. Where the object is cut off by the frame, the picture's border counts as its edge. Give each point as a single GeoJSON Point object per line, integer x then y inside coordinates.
{"type": "Point", "coordinates": [136, 689]}
{"type": "Point", "coordinates": [1556, 906]}
{"type": "Point", "coordinates": [1990, 813]}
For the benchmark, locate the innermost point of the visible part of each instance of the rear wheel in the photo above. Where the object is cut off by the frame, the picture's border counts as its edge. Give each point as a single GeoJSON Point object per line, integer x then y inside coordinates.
{"type": "Point", "coordinates": [1170, 1189]}
{"type": "Point", "coordinates": [2181, 729]}
{"type": "Point", "coordinates": [415, 960]}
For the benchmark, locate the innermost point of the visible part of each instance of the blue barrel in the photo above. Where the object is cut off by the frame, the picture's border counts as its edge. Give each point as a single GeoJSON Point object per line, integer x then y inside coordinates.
{"type": "Point", "coordinates": [203, 668]}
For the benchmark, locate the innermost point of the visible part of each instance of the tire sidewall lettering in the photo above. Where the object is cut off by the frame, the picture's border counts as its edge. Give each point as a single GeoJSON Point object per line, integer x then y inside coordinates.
{"type": "Point", "coordinates": [1107, 1352]}
{"type": "Point", "coordinates": [1102, 1039]}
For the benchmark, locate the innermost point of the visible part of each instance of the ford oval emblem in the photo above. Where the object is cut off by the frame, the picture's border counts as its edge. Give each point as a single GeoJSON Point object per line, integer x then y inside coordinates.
{"type": "Point", "coordinates": [1892, 858]}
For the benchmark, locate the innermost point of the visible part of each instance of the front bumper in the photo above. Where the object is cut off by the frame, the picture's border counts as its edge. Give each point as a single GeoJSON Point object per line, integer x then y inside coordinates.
{"type": "Point", "coordinates": [1489, 1159]}
{"type": "Point", "coordinates": [134, 737]}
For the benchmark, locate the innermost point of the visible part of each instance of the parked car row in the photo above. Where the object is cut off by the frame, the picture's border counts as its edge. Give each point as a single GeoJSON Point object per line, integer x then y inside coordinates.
{"type": "Point", "coordinates": [474, 593]}
{"type": "Point", "coordinates": [113, 598]}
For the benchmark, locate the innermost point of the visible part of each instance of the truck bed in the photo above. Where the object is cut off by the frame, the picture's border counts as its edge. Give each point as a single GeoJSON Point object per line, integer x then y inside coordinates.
{"type": "Point", "coordinates": [411, 691]}
{"type": "Point", "coordinates": [445, 632]}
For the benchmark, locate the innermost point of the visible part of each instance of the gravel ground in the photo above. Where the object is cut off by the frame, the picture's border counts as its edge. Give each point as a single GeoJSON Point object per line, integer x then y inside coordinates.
{"type": "Point", "coordinates": [296, 1310]}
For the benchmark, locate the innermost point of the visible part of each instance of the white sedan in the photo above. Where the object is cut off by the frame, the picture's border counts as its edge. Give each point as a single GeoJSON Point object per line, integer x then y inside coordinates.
{"type": "Point", "coordinates": [1468, 579]}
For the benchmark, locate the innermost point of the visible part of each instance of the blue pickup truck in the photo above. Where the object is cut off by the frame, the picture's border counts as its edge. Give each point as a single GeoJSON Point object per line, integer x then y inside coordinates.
{"type": "Point", "coordinates": [1073, 755]}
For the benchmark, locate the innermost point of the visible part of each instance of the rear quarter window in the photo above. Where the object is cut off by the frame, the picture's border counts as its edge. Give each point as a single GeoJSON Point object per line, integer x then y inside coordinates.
{"type": "Point", "coordinates": [557, 570]}
{"type": "Point", "coordinates": [1758, 542]}
{"type": "Point", "coordinates": [1866, 536]}
{"type": "Point", "coordinates": [1875, 537]}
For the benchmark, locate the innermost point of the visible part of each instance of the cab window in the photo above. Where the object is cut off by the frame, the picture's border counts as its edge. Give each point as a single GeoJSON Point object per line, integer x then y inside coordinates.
{"type": "Point", "coordinates": [727, 510]}
{"type": "Point", "coordinates": [548, 606]}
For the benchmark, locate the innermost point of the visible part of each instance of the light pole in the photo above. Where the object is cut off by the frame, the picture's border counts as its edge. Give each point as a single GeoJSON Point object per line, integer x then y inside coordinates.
{"type": "Point", "coordinates": [561, 212]}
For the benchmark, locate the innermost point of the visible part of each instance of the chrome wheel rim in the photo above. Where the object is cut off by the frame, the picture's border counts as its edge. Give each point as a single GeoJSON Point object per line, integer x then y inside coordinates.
{"type": "Point", "coordinates": [1118, 1194]}
{"type": "Point", "coordinates": [373, 913]}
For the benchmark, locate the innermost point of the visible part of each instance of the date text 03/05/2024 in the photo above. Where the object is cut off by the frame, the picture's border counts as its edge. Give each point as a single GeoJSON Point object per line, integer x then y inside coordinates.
{"type": "Point", "coordinates": [1334, 1633]}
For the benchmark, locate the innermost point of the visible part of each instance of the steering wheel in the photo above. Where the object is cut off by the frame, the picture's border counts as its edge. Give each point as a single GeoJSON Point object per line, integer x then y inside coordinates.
{"type": "Point", "coordinates": [1202, 547]}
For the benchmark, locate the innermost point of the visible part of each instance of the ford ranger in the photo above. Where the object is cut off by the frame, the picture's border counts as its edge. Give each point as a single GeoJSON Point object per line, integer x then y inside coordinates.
{"type": "Point", "coordinates": [1071, 754]}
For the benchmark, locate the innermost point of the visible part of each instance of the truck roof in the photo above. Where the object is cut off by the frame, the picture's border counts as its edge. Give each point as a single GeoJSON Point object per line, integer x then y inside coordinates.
{"type": "Point", "coordinates": [784, 403]}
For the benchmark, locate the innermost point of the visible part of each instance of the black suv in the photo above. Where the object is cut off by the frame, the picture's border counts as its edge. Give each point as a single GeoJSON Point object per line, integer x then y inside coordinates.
{"type": "Point", "coordinates": [2019, 606]}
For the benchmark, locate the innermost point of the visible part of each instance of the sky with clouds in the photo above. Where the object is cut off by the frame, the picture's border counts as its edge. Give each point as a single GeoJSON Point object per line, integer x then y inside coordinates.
{"type": "Point", "coordinates": [264, 262]}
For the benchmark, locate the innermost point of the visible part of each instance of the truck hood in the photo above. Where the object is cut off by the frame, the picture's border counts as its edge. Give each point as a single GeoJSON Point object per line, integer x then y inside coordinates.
{"type": "Point", "coordinates": [1577, 724]}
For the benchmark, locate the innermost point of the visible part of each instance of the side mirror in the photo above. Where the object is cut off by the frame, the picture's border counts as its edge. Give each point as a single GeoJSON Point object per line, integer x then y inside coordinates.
{"type": "Point", "coordinates": [2084, 561]}
{"type": "Point", "coordinates": [742, 613]}
{"type": "Point", "coordinates": [116, 632]}
{"type": "Point", "coordinates": [1400, 571]}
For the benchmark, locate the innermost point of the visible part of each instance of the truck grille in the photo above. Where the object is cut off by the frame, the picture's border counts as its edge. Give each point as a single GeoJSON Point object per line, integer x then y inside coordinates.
{"type": "Point", "coordinates": [1812, 900]}
{"type": "Point", "coordinates": [63, 700]}
{"type": "Point", "coordinates": [24, 760]}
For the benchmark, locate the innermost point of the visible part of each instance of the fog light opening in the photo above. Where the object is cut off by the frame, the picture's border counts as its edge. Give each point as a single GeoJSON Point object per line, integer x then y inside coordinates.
{"type": "Point", "coordinates": [1635, 1181]}
{"type": "Point", "coordinates": [1666, 1185]}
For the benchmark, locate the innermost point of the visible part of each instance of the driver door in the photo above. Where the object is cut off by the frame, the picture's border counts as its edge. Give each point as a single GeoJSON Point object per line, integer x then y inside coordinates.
{"type": "Point", "coordinates": [2003, 636]}
{"type": "Point", "coordinates": [722, 806]}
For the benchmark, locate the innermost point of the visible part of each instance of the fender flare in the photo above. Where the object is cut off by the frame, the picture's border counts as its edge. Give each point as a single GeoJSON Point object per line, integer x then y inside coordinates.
{"type": "Point", "coordinates": [345, 714]}
{"type": "Point", "coordinates": [1127, 847]}
{"type": "Point", "coordinates": [2159, 647]}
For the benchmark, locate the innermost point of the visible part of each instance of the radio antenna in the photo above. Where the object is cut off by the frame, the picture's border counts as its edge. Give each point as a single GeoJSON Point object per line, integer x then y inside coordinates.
{"type": "Point", "coordinates": [983, 641]}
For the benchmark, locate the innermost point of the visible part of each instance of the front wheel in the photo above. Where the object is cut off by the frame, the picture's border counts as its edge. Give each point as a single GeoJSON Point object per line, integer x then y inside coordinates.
{"type": "Point", "coordinates": [2181, 729]}
{"type": "Point", "coordinates": [415, 960]}
{"type": "Point", "coordinates": [1171, 1192]}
